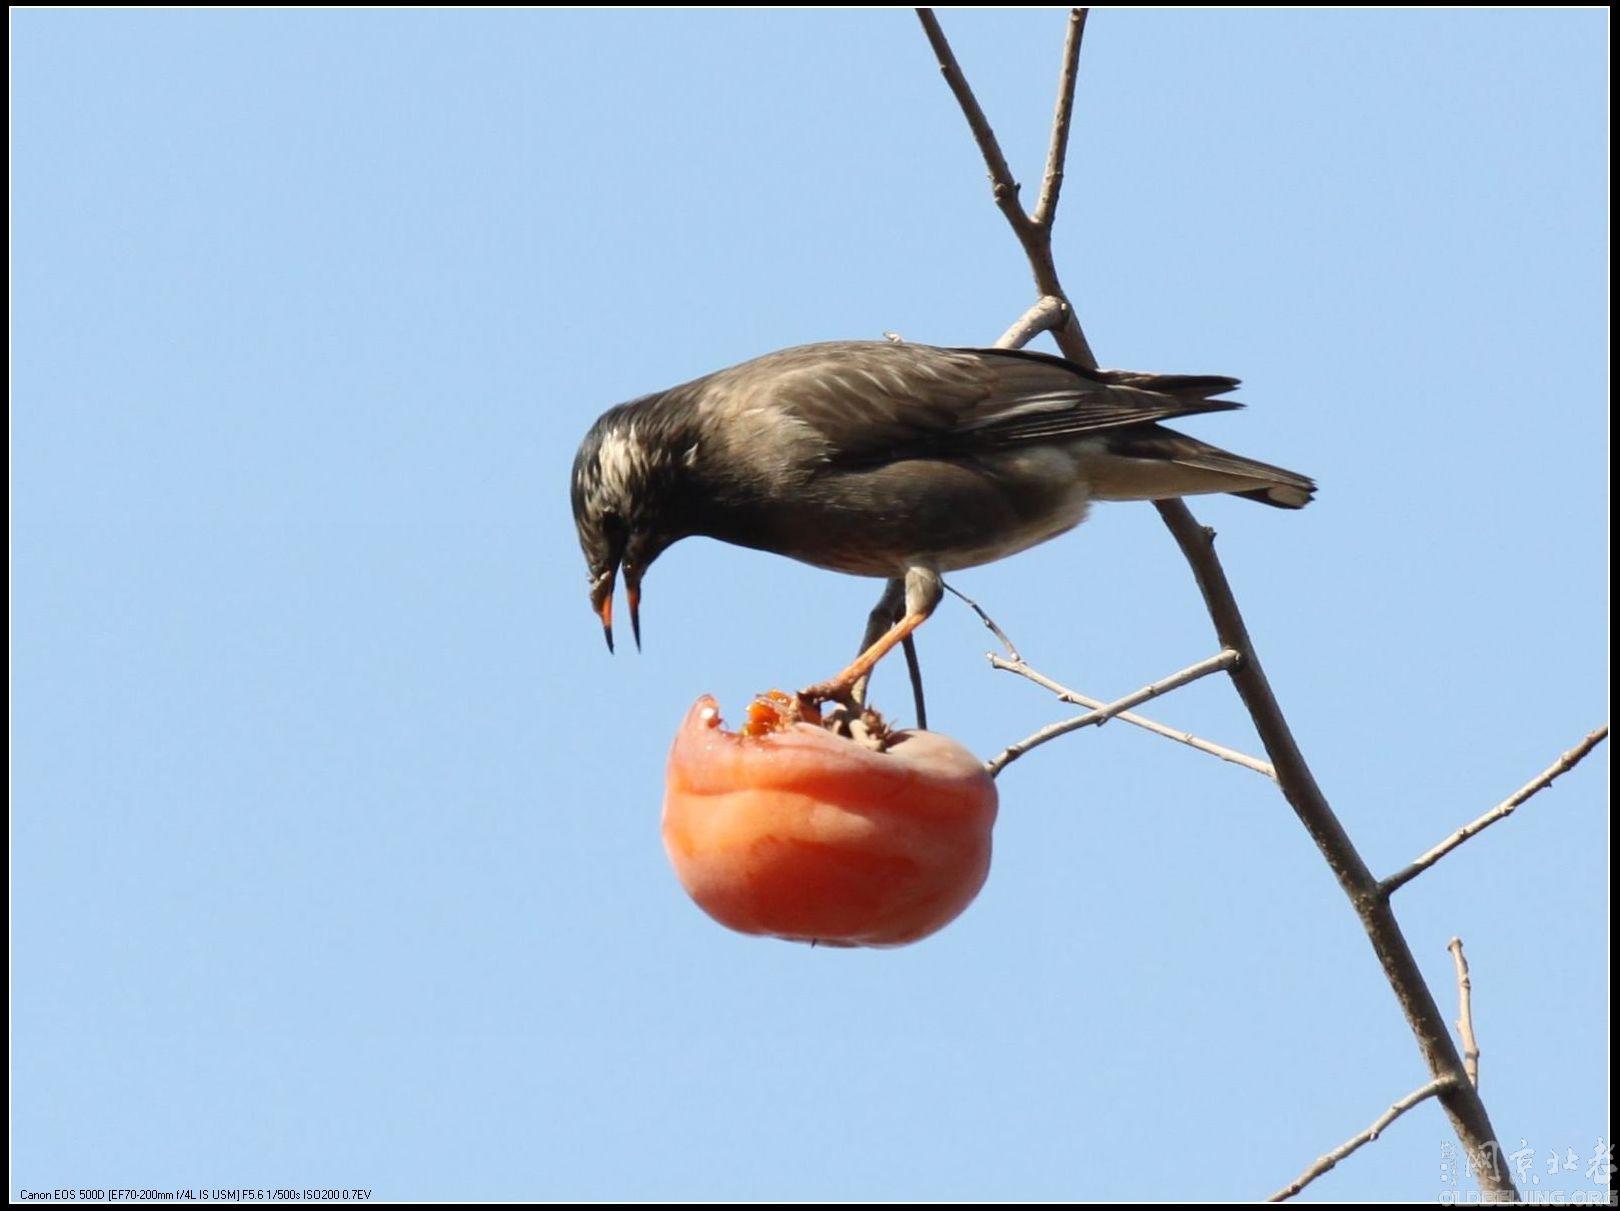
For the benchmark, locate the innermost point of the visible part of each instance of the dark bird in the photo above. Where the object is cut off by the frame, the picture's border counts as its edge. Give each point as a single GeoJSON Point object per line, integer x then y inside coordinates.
{"type": "Point", "coordinates": [893, 460]}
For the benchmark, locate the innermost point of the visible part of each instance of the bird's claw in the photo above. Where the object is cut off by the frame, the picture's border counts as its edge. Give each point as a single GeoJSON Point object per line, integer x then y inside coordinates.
{"type": "Point", "coordinates": [849, 717]}
{"type": "Point", "coordinates": [841, 694]}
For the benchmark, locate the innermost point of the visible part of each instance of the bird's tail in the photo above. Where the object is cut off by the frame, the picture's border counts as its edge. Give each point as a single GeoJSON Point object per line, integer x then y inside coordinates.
{"type": "Point", "coordinates": [1182, 386]}
{"type": "Point", "coordinates": [1155, 463]}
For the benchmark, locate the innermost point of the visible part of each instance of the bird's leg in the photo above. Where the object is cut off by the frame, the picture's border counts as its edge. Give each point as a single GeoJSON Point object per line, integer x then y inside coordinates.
{"type": "Point", "coordinates": [923, 591]}
{"type": "Point", "coordinates": [914, 671]}
{"type": "Point", "coordinates": [889, 610]}
{"type": "Point", "coordinates": [841, 688]}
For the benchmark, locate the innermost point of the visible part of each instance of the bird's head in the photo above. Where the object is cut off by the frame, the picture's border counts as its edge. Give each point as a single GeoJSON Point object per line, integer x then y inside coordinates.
{"type": "Point", "coordinates": [625, 489]}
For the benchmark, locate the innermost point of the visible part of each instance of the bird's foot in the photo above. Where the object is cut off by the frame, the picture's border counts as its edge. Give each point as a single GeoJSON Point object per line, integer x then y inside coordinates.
{"type": "Point", "coordinates": [849, 717]}
{"type": "Point", "coordinates": [839, 692]}
{"type": "Point", "coordinates": [861, 724]}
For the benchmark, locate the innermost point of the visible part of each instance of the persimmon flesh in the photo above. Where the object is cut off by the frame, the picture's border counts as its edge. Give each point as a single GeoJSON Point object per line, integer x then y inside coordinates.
{"type": "Point", "coordinates": [790, 830]}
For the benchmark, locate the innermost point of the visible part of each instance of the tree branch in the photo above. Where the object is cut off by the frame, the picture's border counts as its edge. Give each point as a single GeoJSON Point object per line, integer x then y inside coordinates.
{"type": "Point", "coordinates": [1014, 663]}
{"type": "Point", "coordinates": [1036, 238]}
{"type": "Point", "coordinates": [1217, 662]}
{"type": "Point", "coordinates": [1002, 186]}
{"type": "Point", "coordinates": [1058, 151]}
{"type": "Point", "coordinates": [1001, 635]}
{"type": "Point", "coordinates": [1047, 312]}
{"type": "Point", "coordinates": [1323, 1164]}
{"type": "Point", "coordinates": [1461, 1100]}
{"type": "Point", "coordinates": [1501, 811]}
{"type": "Point", "coordinates": [1293, 774]}
{"type": "Point", "coordinates": [1064, 694]}
{"type": "Point", "coordinates": [1465, 1013]}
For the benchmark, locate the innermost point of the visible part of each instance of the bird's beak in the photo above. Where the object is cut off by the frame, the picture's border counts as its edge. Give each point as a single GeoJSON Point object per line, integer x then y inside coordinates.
{"type": "Point", "coordinates": [632, 593]}
{"type": "Point", "coordinates": [602, 603]}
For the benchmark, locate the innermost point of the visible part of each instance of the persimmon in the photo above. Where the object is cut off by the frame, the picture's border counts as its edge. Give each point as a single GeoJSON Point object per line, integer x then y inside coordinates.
{"type": "Point", "coordinates": [788, 829]}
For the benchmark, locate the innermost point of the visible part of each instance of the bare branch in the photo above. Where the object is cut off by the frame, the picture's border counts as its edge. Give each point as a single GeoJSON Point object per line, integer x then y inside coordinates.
{"type": "Point", "coordinates": [1048, 312]}
{"type": "Point", "coordinates": [1002, 186]}
{"type": "Point", "coordinates": [1323, 1164]}
{"type": "Point", "coordinates": [1469, 1118]}
{"type": "Point", "coordinates": [988, 621]}
{"type": "Point", "coordinates": [1180, 736]}
{"type": "Point", "coordinates": [1217, 662]}
{"type": "Point", "coordinates": [1501, 811]}
{"type": "Point", "coordinates": [1465, 1013]}
{"type": "Point", "coordinates": [1037, 240]}
{"type": "Point", "coordinates": [1014, 663]}
{"type": "Point", "coordinates": [1293, 774]}
{"type": "Point", "coordinates": [1058, 151]}
{"type": "Point", "coordinates": [1461, 1100]}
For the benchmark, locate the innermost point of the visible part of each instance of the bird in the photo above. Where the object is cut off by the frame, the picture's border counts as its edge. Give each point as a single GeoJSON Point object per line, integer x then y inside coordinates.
{"type": "Point", "coordinates": [893, 460]}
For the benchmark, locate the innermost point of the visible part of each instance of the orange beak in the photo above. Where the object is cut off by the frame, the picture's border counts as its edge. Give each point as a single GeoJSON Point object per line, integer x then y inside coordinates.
{"type": "Point", "coordinates": [605, 610]}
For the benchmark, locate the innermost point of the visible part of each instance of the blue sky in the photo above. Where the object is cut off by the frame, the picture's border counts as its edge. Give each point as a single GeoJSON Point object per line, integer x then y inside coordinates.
{"type": "Point", "coordinates": [335, 854]}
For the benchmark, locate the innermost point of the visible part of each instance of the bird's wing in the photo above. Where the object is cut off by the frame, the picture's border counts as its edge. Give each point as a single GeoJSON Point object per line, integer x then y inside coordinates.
{"type": "Point", "coordinates": [1036, 397]}
{"type": "Point", "coordinates": [884, 402]}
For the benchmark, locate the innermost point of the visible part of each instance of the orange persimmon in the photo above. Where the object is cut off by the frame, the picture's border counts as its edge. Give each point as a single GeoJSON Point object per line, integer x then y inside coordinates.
{"type": "Point", "coordinates": [790, 830]}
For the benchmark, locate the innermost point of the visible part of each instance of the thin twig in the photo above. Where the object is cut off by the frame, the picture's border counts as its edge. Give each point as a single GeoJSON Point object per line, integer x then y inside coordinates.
{"type": "Point", "coordinates": [1323, 1164]}
{"type": "Point", "coordinates": [1036, 239]}
{"type": "Point", "coordinates": [1465, 1013]}
{"type": "Point", "coordinates": [1048, 312]}
{"type": "Point", "coordinates": [1500, 812]}
{"type": "Point", "coordinates": [1058, 151]}
{"type": "Point", "coordinates": [1014, 663]}
{"type": "Point", "coordinates": [988, 621]}
{"type": "Point", "coordinates": [1002, 185]}
{"type": "Point", "coordinates": [1215, 664]}
{"type": "Point", "coordinates": [1180, 736]}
